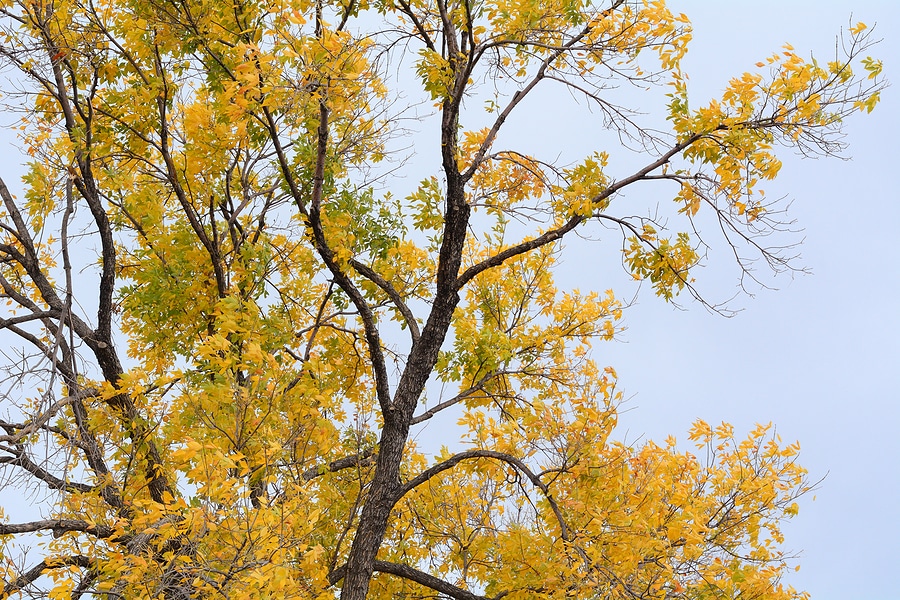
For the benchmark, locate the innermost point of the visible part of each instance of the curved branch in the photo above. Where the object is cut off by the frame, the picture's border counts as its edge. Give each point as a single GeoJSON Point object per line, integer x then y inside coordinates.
{"type": "Point", "coordinates": [81, 133]}
{"type": "Point", "coordinates": [30, 262]}
{"type": "Point", "coordinates": [103, 351]}
{"type": "Point", "coordinates": [408, 11]}
{"type": "Point", "coordinates": [392, 293]}
{"type": "Point", "coordinates": [283, 163]}
{"type": "Point", "coordinates": [172, 176]}
{"type": "Point", "coordinates": [28, 258]}
{"type": "Point", "coordinates": [351, 6]}
{"type": "Point", "coordinates": [526, 246]}
{"type": "Point", "coordinates": [36, 571]}
{"type": "Point", "coordinates": [493, 454]}
{"type": "Point", "coordinates": [517, 97]}
{"type": "Point", "coordinates": [372, 335]}
{"type": "Point", "coordinates": [312, 214]}
{"type": "Point", "coordinates": [32, 339]}
{"type": "Point", "coordinates": [424, 579]}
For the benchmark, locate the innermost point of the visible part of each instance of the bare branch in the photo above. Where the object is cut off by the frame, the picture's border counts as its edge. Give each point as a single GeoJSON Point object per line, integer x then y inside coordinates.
{"type": "Point", "coordinates": [25, 429]}
{"type": "Point", "coordinates": [365, 457]}
{"type": "Point", "coordinates": [392, 293]}
{"type": "Point", "coordinates": [479, 386]}
{"type": "Point", "coordinates": [20, 459]}
{"type": "Point", "coordinates": [408, 11]}
{"type": "Point", "coordinates": [520, 94]}
{"type": "Point", "coordinates": [58, 526]}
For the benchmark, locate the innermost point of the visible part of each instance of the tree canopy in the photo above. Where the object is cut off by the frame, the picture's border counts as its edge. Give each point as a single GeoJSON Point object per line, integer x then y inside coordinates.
{"type": "Point", "coordinates": [224, 326]}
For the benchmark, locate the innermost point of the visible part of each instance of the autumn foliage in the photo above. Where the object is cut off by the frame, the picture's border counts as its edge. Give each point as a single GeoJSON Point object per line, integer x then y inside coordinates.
{"type": "Point", "coordinates": [224, 326]}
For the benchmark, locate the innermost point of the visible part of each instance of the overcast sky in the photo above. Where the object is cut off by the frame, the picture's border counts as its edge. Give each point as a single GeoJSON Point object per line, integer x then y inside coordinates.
{"type": "Point", "coordinates": [819, 357]}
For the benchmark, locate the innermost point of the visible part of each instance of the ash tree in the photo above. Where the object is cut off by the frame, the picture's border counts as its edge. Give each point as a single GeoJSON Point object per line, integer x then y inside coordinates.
{"type": "Point", "coordinates": [221, 328]}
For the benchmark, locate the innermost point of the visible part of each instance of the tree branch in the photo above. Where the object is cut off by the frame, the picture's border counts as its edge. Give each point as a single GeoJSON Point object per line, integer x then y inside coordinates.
{"type": "Point", "coordinates": [372, 335]}
{"type": "Point", "coordinates": [172, 176]}
{"type": "Point", "coordinates": [479, 385]}
{"type": "Point", "coordinates": [557, 233]}
{"type": "Point", "coordinates": [36, 571]}
{"type": "Point", "coordinates": [58, 526]}
{"type": "Point", "coordinates": [19, 459]}
{"type": "Point", "coordinates": [492, 454]}
{"type": "Point", "coordinates": [408, 11]}
{"type": "Point", "coordinates": [429, 581]}
{"type": "Point", "coordinates": [392, 293]}
{"type": "Point", "coordinates": [420, 577]}
{"type": "Point", "coordinates": [519, 95]}
{"type": "Point", "coordinates": [365, 457]}
{"type": "Point", "coordinates": [25, 429]}
{"type": "Point", "coordinates": [31, 263]}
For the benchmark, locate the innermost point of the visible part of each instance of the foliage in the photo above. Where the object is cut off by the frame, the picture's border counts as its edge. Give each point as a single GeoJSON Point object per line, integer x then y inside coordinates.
{"type": "Point", "coordinates": [228, 331]}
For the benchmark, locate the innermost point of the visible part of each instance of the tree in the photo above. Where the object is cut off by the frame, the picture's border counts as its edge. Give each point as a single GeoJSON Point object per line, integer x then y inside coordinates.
{"type": "Point", "coordinates": [224, 328]}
